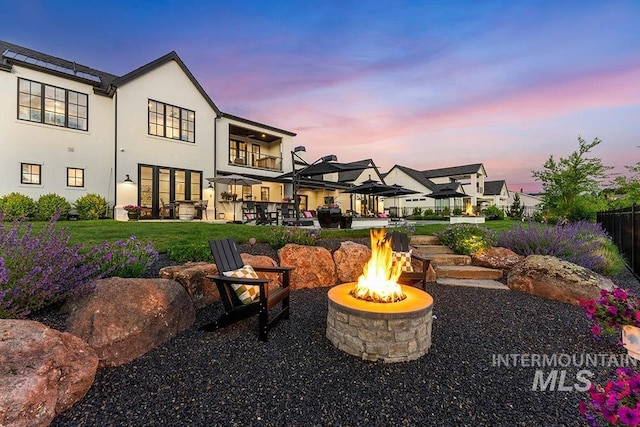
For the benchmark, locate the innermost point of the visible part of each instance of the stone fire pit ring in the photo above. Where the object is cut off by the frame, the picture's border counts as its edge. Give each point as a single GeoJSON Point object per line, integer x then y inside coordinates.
{"type": "Point", "coordinates": [391, 332]}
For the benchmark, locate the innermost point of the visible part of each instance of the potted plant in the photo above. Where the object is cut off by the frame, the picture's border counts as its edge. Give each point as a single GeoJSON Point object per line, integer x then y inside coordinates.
{"type": "Point", "coordinates": [615, 310]}
{"type": "Point", "coordinates": [133, 211]}
{"type": "Point", "coordinates": [616, 402]}
{"type": "Point", "coordinates": [228, 196]}
{"type": "Point", "coordinates": [329, 216]}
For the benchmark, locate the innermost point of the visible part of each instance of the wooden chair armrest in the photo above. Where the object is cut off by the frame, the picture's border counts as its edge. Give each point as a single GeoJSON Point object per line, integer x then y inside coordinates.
{"type": "Point", "coordinates": [274, 269]}
{"type": "Point", "coordinates": [239, 280]}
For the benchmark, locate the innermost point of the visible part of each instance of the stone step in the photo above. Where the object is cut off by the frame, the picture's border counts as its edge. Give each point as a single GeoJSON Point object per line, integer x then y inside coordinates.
{"type": "Point", "coordinates": [423, 240]}
{"type": "Point", "coordinates": [467, 272]}
{"type": "Point", "coordinates": [473, 283]}
{"type": "Point", "coordinates": [448, 259]}
{"type": "Point", "coordinates": [433, 249]}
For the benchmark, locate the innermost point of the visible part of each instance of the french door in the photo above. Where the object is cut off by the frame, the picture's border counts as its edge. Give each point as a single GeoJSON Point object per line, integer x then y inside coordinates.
{"type": "Point", "coordinates": [159, 184]}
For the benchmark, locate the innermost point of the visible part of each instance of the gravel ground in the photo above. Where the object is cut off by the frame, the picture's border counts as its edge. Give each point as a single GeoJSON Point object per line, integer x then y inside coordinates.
{"type": "Point", "coordinates": [298, 377]}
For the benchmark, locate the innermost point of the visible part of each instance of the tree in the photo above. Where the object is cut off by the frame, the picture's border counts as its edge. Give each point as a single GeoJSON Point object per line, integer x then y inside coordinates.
{"type": "Point", "coordinates": [571, 185]}
{"type": "Point", "coordinates": [517, 208]}
{"type": "Point", "coordinates": [628, 188]}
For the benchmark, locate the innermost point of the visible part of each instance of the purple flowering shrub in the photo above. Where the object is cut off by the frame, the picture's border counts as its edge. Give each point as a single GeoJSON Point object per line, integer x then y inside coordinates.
{"type": "Point", "coordinates": [611, 311]}
{"type": "Point", "coordinates": [580, 242]}
{"type": "Point", "coordinates": [617, 402]}
{"type": "Point", "coordinates": [124, 258]}
{"type": "Point", "coordinates": [39, 268]}
{"type": "Point", "coordinates": [280, 236]}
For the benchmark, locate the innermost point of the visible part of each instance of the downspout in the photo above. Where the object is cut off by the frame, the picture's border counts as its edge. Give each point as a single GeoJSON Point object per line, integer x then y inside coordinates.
{"type": "Point", "coordinates": [115, 155]}
{"type": "Point", "coordinates": [215, 167]}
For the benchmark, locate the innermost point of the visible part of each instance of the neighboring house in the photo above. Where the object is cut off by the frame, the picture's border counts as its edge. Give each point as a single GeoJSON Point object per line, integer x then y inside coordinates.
{"type": "Point", "coordinates": [496, 193]}
{"type": "Point", "coordinates": [457, 187]}
{"type": "Point", "coordinates": [531, 202]}
{"type": "Point", "coordinates": [72, 130]}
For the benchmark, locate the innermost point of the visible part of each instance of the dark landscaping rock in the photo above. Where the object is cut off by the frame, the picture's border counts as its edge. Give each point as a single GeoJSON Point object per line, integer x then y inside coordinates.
{"type": "Point", "coordinates": [43, 372]}
{"type": "Point", "coordinates": [122, 319]}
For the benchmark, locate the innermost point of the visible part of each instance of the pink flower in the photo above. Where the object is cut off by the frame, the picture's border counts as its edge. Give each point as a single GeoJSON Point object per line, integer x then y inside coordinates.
{"type": "Point", "coordinates": [628, 416]}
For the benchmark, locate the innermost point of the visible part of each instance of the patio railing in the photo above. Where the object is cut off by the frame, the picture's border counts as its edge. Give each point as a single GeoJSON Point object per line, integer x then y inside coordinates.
{"type": "Point", "coordinates": [623, 225]}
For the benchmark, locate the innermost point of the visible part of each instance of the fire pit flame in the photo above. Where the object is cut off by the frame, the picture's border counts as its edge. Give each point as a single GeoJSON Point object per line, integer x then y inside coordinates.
{"type": "Point", "coordinates": [378, 282]}
{"type": "Point", "coordinates": [468, 210]}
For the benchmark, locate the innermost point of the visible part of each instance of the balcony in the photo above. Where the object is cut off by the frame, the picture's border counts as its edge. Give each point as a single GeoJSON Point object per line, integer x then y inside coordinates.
{"type": "Point", "coordinates": [256, 161]}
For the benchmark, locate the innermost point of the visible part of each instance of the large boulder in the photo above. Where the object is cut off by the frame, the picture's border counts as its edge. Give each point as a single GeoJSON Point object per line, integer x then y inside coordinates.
{"type": "Point", "coordinates": [43, 372]}
{"type": "Point", "coordinates": [350, 259]}
{"type": "Point", "coordinates": [193, 276]}
{"type": "Point", "coordinates": [555, 279]}
{"type": "Point", "coordinates": [314, 266]}
{"type": "Point", "coordinates": [263, 261]}
{"type": "Point", "coordinates": [122, 319]}
{"type": "Point", "coordinates": [495, 257]}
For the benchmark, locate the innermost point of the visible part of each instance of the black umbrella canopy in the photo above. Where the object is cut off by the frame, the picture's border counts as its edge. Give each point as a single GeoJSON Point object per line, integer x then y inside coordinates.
{"type": "Point", "coordinates": [327, 167]}
{"type": "Point", "coordinates": [447, 193]}
{"type": "Point", "coordinates": [398, 191]}
{"type": "Point", "coordinates": [371, 187]}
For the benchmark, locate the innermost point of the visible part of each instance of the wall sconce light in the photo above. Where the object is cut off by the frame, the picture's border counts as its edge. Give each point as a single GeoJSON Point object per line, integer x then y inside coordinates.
{"type": "Point", "coordinates": [128, 179]}
{"type": "Point", "coordinates": [210, 187]}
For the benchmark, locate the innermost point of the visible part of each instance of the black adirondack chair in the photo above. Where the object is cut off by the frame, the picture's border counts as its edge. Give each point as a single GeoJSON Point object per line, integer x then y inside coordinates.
{"type": "Point", "coordinates": [263, 217]}
{"type": "Point", "coordinates": [400, 243]}
{"type": "Point", "coordinates": [227, 258]}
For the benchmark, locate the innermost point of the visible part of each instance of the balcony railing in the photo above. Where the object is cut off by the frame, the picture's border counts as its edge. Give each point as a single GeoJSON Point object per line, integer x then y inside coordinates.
{"type": "Point", "coordinates": [271, 163]}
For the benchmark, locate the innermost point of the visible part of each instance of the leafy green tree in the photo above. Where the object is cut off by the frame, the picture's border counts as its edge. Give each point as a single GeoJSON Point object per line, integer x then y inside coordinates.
{"type": "Point", "coordinates": [628, 188]}
{"type": "Point", "coordinates": [571, 185]}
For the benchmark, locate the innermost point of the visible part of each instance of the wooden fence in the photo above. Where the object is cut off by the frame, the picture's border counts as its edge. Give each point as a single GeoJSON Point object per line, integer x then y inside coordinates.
{"type": "Point", "coordinates": [623, 225]}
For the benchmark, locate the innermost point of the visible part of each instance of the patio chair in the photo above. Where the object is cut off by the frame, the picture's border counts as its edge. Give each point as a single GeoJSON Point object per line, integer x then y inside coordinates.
{"type": "Point", "coordinates": [401, 248]}
{"type": "Point", "coordinates": [201, 208]}
{"type": "Point", "coordinates": [264, 217]}
{"type": "Point", "coordinates": [287, 218]}
{"type": "Point", "coordinates": [242, 302]}
{"type": "Point", "coordinates": [167, 209]}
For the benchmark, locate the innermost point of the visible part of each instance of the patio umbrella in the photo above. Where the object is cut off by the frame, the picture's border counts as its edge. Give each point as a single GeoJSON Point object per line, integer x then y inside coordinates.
{"type": "Point", "coordinates": [370, 187]}
{"type": "Point", "coordinates": [398, 190]}
{"type": "Point", "coordinates": [234, 180]}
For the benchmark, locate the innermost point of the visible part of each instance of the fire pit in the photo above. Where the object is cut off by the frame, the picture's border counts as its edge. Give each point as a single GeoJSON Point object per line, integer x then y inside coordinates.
{"type": "Point", "coordinates": [376, 318]}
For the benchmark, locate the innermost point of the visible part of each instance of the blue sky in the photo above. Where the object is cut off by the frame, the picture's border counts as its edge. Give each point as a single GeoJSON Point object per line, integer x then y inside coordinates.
{"type": "Point", "coordinates": [423, 84]}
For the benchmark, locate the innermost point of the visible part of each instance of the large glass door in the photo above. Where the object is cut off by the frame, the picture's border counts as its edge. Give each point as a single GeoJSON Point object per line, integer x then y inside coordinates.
{"type": "Point", "coordinates": [159, 184]}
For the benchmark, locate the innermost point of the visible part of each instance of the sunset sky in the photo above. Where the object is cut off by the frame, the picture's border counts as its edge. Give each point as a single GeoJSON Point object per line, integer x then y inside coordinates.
{"type": "Point", "coordinates": [423, 84]}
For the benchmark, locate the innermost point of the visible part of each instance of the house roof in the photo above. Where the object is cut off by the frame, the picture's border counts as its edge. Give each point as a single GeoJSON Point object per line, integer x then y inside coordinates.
{"type": "Point", "coordinates": [352, 175]}
{"type": "Point", "coordinates": [14, 54]}
{"type": "Point", "coordinates": [418, 176]}
{"type": "Point", "coordinates": [262, 125]}
{"type": "Point", "coordinates": [494, 188]}
{"type": "Point", "coordinates": [171, 56]}
{"type": "Point", "coordinates": [454, 171]}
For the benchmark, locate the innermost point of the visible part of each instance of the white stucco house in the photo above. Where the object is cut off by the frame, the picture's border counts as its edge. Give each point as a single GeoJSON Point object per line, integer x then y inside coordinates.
{"type": "Point", "coordinates": [150, 136]}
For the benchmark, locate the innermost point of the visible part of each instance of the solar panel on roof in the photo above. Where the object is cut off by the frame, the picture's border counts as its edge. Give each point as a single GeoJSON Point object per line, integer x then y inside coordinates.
{"type": "Point", "coordinates": [29, 60]}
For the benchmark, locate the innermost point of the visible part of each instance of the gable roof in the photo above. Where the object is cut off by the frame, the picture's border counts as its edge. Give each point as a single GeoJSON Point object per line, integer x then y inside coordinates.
{"type": "Point", "coordinates": [352, 175]}
{"type": "Point", "coordinates": [454, 171]}
{"type": "Point", "coordinates": [493, 188]}
{"type": "Point", "coordinates": [14, 54]}
{"type": "Point", "coordinates": [418, 176]}
{"type": "Point", "coordinates": [171, 56]}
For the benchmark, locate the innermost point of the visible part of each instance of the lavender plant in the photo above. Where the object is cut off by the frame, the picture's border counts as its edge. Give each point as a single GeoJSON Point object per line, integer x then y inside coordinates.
{"type": "Point", "coordinates": [280, 236]}
{"type": "Point", "coordinates": [40, 268]}
{"type": "Point", "coordinates": [580, 242]}
{"type": "Point", "coordinates": [124, 258]}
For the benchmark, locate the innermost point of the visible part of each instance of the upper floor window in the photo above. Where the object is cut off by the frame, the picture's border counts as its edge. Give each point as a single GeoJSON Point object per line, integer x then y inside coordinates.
{"type": "Point", "coordinates": [172, 122]}
{"type": "Point", "coordinates": [42, 103]}
{"type": "Point", "coordinates": [30, 173]}
{"type": "Point", "coordinates": [237, 152]}
{"type": "Point", "coordinates": [75, 177]}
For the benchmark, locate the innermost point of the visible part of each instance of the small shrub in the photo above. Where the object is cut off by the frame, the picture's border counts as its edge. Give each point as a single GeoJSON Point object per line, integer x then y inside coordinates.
{"type": "Point", "coordinates": [457, 211]}
{"type": "Point", "coordinates": [493, 213]}
{"type": "Point", "coordinates": [190, 252]}
{"type": "Point", "coordinates": [582, 243]}
{"type": "Point", "coordinates": [38, 269]}
{"type": "Point", "coordinates": [466, 239]}
{"type": "Point", "coordinates": [91, 206]}
{"type": "Point", "coordinates": [124, 258]}
{"type": "Point", "coordinates": [417, 213]}
{"type": "Point", "coordinates": [49, 205]}
{"type": "Point", "coordinates": [17, 206]}
{"type": "Point", "coordinates": [277, 237]}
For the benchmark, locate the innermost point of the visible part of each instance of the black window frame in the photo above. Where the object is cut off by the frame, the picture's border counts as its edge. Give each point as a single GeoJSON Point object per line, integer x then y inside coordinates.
{"type": "Point", "coordinates": [179, 126]}
{"type": "Point", "coordinates": [69, 169]}
{"type": "Point", "coordinates": [30, 173]}
{"type": "Point", "coordinates": [42, 119]}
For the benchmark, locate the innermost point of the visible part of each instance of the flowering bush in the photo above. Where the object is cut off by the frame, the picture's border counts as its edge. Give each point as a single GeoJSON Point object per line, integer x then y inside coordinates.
{"type": "Point", "coordinates": [611, 311]}
{"type": "Point", "coordinates": [466, 239]}
{"type": "Point", "coordinates": [280, 236]}
{"type": "Point", "coordinates": [40, 268]}
{"type": "Point", "coordinates": [132, 208]}
{"type": "Point", "coordinates": [618, 402]}
{"type": "Point", "coordinates": [582, 243]}
{"type": "Point", "coordinates": [227, 195]}
{"type": "Point", "coordinates": [128, 258]}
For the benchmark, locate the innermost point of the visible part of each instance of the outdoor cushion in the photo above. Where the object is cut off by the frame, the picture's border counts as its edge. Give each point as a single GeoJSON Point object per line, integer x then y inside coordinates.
{"type": "Point", "coordinates": [404, 259]}
{"type": "Point", "coordinates": [307, 214]}
{"type": "Point", "coordinates": [382, 215]}
{"type": "Point", "coordinates": [246, 293]}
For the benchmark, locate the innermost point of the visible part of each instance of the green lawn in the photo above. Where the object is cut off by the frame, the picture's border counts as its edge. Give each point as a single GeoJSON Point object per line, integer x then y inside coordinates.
{"type": "Point", "coordinates": [166, 234]}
